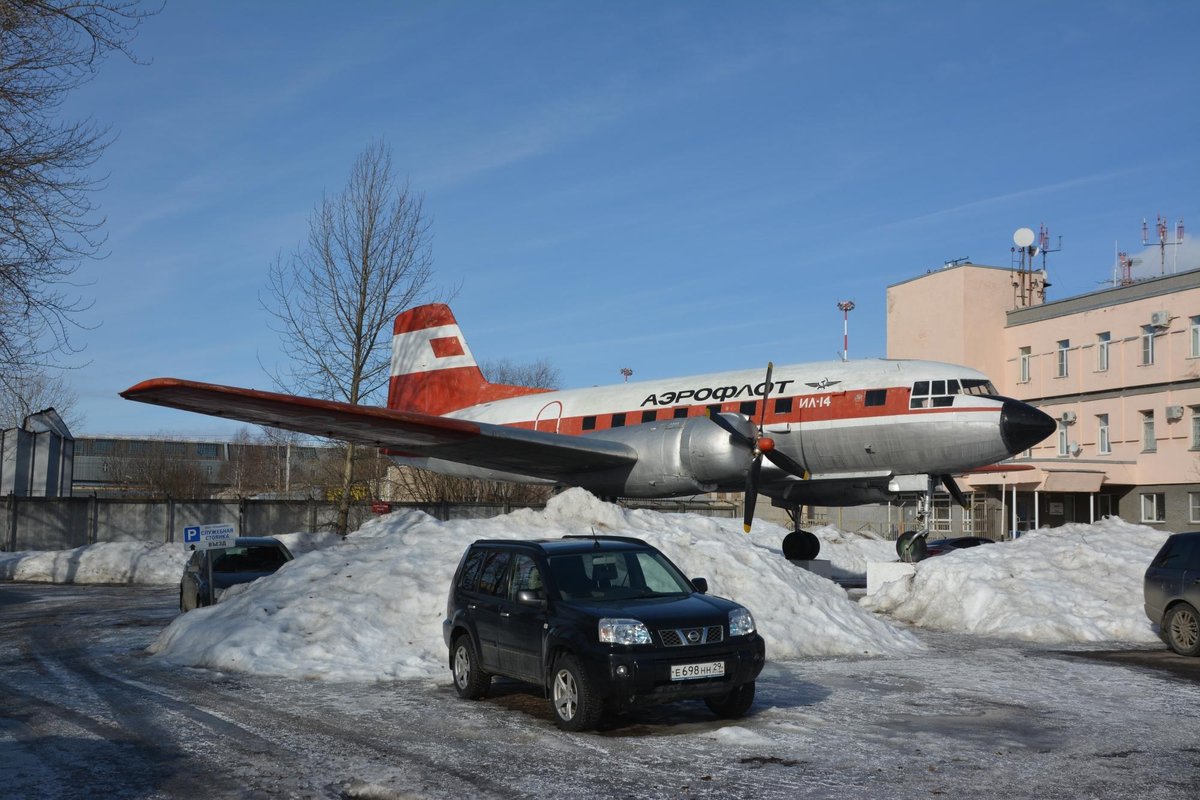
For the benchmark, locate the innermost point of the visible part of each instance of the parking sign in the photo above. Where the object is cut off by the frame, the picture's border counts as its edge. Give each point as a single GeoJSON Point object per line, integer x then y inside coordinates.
{"type": "Point", "coordinates": [206, 537]}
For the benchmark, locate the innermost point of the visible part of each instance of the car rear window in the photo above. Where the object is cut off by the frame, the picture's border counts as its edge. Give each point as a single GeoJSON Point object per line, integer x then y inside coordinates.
{"type": "Point", "coordinates": [1180, 552]}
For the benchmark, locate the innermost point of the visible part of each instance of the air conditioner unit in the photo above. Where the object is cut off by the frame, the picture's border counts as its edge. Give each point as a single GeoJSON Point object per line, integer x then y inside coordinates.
{"type": "Point", "coordinates": [1174, 412]}
{"type": "Point", "coordinates": [1160, 319]}
{"type": "Point", "coordinates": [1068, 417]}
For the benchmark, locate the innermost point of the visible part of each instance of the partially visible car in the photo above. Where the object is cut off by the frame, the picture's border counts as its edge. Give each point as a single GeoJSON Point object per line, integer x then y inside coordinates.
{"type": "Point", "coordinates": [598, 623]}
{"type": "Point", "coordinates": [250, 558]}
{"type": "Point", "coordinates": [937, 547]}
{"type": "Point", "coordinates": [1172, 592]}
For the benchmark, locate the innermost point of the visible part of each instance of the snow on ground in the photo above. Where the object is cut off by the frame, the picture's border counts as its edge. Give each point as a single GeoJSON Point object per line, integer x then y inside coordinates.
{"type": "Point", "coordinates": [370, 607]}
{"type": "Point", "coordinates": [1074, 583]}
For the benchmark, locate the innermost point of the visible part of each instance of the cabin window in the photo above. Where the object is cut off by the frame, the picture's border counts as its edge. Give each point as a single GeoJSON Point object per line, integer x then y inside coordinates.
{"type": "Point", "coordinates": [943, 401]}
{"type": "Point", "coordinates": [875, 397]}
{"type": "Point", "coordinates": [589, 423]}
{"type": "Point", "coordinates": [680, 412]}
{"type": "Point", "coordinates": [921, 387]}
{"type": "Point", "coordinates": [748, 407]}
{"type": "Point", "coordinates": [649, 416]}
{"type": "Point", "coordinates": [976, 386]}
{"type": "Point", "coordinates": [618, 420]}
{"type": "Point", "coordinates": [783, 405]}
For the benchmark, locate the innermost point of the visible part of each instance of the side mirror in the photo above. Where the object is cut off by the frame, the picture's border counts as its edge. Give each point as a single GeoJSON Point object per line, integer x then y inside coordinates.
{"type": "Point", "coordinates": [530, 598]}
{"type": "Point", "coordinates": [701, 585]}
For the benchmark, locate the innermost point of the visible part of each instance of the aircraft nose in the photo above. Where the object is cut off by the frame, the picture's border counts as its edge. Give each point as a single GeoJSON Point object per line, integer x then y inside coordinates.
{"type": "Point", "coordinates": [1022, 426]}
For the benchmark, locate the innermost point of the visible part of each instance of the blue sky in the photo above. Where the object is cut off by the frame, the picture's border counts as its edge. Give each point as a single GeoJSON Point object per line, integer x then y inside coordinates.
{"type": "Point", "coordinates": [675, 187]}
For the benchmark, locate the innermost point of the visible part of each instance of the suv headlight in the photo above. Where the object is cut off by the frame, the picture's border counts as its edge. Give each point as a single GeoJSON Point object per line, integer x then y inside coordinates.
{"type": "Point", "coordinates": [623, 631]}
{"type": "Point", "coordinates": [741, 622]}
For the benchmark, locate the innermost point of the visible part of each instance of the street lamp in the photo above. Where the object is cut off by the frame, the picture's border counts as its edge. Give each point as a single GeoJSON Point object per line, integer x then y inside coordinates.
{"type": "Point", "coordinates": [846, 307]}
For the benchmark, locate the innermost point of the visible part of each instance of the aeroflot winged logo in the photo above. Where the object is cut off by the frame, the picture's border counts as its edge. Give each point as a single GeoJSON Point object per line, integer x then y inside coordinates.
{"type": "Point", "coordinates": [824, 383]}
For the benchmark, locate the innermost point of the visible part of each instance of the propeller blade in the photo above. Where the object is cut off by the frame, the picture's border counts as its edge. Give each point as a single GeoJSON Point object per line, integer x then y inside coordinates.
{"type": "Point", "coordinates": [762, 416]}
{"type": "Point", "coordinates": [751, 496]}
{"type": "Point", "coordinates": [787, 464]}
{"type": "Point", "coordinates": [952, 488]}
{"type": "Point", "coordinates": [728, 427]}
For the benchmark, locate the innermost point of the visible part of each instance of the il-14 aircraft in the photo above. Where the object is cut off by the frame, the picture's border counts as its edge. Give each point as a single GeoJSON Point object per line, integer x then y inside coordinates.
{"type": "Point", "coordinates": [829, 433]}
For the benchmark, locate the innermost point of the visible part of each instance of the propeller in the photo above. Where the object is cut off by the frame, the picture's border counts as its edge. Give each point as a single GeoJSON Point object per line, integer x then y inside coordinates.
{"type": "Point", "coordinates": [952, 488]}
{"type": "Point", "coordinates": [759, 447]}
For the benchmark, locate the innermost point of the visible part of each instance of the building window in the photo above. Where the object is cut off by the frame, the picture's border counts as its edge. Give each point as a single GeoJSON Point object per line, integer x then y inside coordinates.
{"type": "Point", "coordinates": [1103, 443]}
{"type": "Point", "coordinates": [1064, 345]}
{"type": "Point", "coordinates": [1194, 334]}
{"type": "Point", "coordinates": [1147, 345]}
{"type": "Point", "coordinates": [1149, 443]}
{"type": "Point", "coordinates": [941, 514]}
{"type": "Point", "coordinates": [1062, 439]}
{"type": "Point", "coordinates": [1196, 427]}
{"type": "Point", "coordinates": [1026, 353]}
{"type": "Point", "coordinates": [1193, 506]}
{"type": "Point", "coordinates": [1154, 507]}
{"type": "Point", "coordinates": [1102, 342]}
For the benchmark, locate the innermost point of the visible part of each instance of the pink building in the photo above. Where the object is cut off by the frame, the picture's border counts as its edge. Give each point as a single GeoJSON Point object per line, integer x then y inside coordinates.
{"type": "Point", "coordinates": [1118, 368]}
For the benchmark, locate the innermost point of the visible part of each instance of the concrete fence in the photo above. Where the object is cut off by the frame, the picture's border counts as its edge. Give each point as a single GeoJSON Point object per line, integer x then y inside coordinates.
{"type": "Point", "coordinates": [63, 523]}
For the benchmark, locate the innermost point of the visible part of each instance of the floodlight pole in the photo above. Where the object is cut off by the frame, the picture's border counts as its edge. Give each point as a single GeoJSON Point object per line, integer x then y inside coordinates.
{"type": "Point", "coordinates": [846, 307]}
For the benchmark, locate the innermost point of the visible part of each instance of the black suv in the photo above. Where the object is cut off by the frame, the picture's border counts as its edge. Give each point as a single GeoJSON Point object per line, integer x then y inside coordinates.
{"type": "Point", "coordinates": [598, 622]}
{"type": "Point", "coordinates": [1172, 592]}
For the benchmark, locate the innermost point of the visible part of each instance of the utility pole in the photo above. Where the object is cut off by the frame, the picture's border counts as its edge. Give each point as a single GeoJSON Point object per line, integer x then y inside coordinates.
{"type": "Point", "coordinates": [846, 307]}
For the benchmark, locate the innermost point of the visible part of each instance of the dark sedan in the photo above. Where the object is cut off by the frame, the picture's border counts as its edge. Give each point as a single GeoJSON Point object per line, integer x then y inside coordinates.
{"type": "Point", "coordinates": [1172, 592]}
{"type": "Point", "coordinates": [250, 558]}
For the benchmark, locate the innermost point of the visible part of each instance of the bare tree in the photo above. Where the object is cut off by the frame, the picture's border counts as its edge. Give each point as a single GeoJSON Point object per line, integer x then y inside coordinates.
{"type": "Point", "coordinates": [47, 215]}
{"type": "Point", "coordinates": [367, 258]}
{"type": "Point", "coordinates": [540, 374]}
{"type": "Point", "coordinates": [158, 468]}
{"type": "Point", "coordinates": [27, 390]}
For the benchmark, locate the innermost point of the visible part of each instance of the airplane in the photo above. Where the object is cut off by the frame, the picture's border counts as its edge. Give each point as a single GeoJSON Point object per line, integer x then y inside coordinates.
{"type": "Point", "coordinates": [831, 433]}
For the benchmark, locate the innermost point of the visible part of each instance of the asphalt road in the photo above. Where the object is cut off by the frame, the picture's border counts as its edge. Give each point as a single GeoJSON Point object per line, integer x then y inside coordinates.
{"type": "Point", "coordinates": [85, 713]}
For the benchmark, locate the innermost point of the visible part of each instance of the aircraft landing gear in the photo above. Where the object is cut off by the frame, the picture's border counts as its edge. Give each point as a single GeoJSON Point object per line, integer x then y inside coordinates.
{"type": "Point", "coordinates": [800, 545]}
{"type": "Point", "coordinates": [911, 546]}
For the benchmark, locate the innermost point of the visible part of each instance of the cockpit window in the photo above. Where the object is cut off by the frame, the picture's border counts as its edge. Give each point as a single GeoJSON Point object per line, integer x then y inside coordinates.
{"type": "Point", "coordinates": [938, 394]}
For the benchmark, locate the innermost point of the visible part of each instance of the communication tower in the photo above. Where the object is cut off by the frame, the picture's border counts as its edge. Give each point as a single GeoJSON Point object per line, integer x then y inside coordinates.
{"type": "Point", "coordinates": [1028, 283]}
{"type": "Point", "coordinates": [1160, 230]}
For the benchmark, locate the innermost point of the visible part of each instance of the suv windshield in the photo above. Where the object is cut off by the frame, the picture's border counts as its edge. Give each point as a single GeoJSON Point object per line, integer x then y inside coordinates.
{"type": "Point", "coordinates": [616, 575]}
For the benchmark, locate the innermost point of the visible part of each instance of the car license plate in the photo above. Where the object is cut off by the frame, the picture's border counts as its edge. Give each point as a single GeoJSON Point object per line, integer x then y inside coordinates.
{"type": "Point", "coordinates": [686, 672]}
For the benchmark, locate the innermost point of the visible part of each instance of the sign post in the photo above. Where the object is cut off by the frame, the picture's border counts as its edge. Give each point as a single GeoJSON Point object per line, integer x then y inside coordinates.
{"type": "Point", "coordinates": [209, 537]}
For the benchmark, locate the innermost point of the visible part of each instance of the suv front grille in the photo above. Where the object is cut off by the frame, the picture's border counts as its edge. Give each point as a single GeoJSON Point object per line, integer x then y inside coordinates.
{"type": "Point", "coordinates": [683, 637]}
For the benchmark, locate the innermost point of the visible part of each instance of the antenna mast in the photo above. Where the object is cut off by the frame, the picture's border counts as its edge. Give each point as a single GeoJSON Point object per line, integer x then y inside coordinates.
{"type": "Point", "coordinates": [1160, 229]}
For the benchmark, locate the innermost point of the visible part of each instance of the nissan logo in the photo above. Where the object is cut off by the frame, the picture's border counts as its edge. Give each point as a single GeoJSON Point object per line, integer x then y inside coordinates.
{"type": "Point", "coordinates": [693, 636]}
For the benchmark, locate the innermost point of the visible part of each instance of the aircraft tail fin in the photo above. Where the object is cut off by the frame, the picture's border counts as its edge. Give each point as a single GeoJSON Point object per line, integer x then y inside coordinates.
{"type": "Point", "coordinates": [433, 370]}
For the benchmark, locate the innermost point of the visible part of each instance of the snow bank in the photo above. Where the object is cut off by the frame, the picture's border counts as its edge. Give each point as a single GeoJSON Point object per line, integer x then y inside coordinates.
{"type": "Point", "coordinates": [1075, 583]}
{"type": "Point", "coordinates": [371, 607]}
{"type": "Point", "coordinates": [106, 562]}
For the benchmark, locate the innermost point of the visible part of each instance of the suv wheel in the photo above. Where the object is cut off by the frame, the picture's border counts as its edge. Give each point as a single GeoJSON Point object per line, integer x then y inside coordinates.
{"type": "Point", "coordinates": [575, 706]}
{"type": "Point", "coordinates": [470, 681]}
{"type": "Point", "coordinates": [1183, 630]}
{"type": "Point", "coordinates": [734, 704]}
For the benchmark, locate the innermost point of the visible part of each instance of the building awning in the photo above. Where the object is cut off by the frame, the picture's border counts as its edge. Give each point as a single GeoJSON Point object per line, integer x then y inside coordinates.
{"type": "Point", "coordinates": [1072, 481]}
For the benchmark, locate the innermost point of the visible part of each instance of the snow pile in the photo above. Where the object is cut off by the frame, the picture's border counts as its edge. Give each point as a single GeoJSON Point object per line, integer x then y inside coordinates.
{"type": "Point", "coordinates": [849, 553]}
{"type": "Point", "coordinates": [372, 607]}
{"type": "Point", "coordinates": [106, 562]}
{"type": "Point", "coordinates": [146, 563]}
{"type": "Point", "coordinates": [1075, 583]}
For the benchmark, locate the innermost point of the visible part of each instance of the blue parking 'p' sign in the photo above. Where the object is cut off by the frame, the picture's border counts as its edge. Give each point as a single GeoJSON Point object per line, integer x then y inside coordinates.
{"type": "Point", "coordinates": [191, 534]}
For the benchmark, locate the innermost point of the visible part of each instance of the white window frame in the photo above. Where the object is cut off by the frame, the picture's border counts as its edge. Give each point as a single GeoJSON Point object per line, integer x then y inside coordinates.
{"type": "Point", "coordinates": [1103, 439]}
{"type": "Point", "coordinates": [1149, 437]}
{"type": "Point", "coordinates": [1102, 342]}
{"type": "Point", "coordinates": [1026, 356]}
{"type": "Point", "coordinates": [1193, 507]}
{"type": "Point", "coordinates": [1063, 440]}
{"type": "Point", "coordinates": [940, 518]}
{"type": "Point", "coordinates": [1062, 364]}
{"type": "Point", "coordinates": [1195, 428]}
{"type": "Point", "coordinates": [1154, 507]}
{"type": "Point", "coordinates": [1194, 336]}
{"type": "Point", "coordinates": [1147, 345]}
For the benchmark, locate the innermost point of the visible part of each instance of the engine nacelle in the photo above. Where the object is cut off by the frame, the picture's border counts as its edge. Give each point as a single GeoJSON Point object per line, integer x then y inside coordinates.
{"type": "Point", "coordinates": [678, 457]}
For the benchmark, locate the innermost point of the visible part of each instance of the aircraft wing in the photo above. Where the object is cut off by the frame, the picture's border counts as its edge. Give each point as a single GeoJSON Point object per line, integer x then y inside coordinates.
{"type": "Point", "coordinates": [535, 453]}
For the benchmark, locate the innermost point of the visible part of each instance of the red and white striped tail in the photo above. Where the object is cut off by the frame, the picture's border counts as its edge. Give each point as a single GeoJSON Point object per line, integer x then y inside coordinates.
{"type": "Point", "coordinates": [433, 371]}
